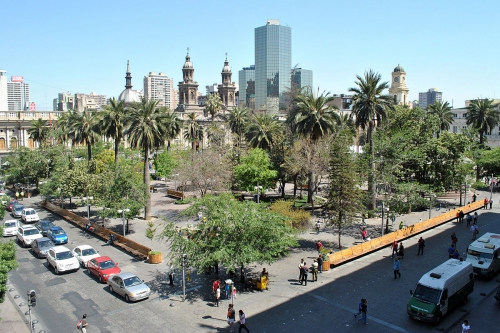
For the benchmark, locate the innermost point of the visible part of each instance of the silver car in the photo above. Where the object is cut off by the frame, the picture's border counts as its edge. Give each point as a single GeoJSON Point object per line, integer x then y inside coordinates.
{"type": "Point", "coordinates": [17, 210]}
{"type": "Point", "coordinates": [41, 246]}
{"type": "Point", "coordinates": [129, 286]}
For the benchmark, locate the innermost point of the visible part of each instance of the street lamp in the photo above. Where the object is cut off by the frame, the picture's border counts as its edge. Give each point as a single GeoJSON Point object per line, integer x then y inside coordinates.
{"type": "Point", "coordinates": [123, 211]}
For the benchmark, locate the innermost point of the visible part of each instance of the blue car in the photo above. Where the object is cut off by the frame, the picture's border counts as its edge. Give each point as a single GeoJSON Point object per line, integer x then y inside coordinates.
{"type": "Point", "coordinates": [57, 235]}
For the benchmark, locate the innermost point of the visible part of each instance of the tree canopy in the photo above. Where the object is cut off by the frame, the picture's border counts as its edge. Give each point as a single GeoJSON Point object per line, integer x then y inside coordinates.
{"type": "Point", "coordinates": [255, 167]}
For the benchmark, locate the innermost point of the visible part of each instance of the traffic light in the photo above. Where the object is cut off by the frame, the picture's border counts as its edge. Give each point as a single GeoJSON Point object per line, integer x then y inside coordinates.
{"type": "Point", "coordinates": [32, 298]}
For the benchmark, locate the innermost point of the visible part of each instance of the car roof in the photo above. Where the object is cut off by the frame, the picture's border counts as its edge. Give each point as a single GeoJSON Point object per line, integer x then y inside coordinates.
{"type": "Point", "coordinates": [45, 221]}
{"type": "Point", "coordinates": [125, 275]}
{"type": "Point", "coordinates": [44, 239]}
{"type": "Point", "coordinates": [58, 249]}
{"type": "Point", "coordinates": [29, 208]}
{"type": "Point", "coordinates": [83, 247]}
{"type": "Point", "coordinates": [26, 227]}
{"type": "Point", "coordinates": [10, 221]}
{"type": "Point", "coordinates": [56, 227]}
{"type": "Point", "coordinates": [103, 258]}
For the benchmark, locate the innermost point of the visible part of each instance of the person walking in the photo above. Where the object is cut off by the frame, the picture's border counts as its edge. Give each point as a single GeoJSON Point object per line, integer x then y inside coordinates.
{"type": "Point", "coordinates": [243, 322]}
{"type": "Point", "coordinates": [485, 206]}
{"type": "Point", "coordinates": [83, 324]}
{"type": "Point", "coordinates": [474, 230]}
{"type": "Point", "coordinates": [17, 195]}
{"type": "Point", "coordinates": [231, 316]}
{"type": "Point", "coordinates": [171, 276]}
{"type": "Point", "coordinates": [364, 234]}
{"type": "Point", "coordinates": [215, 285]}
{"type": "Point", "coordinates": [457, 215]}
{"type": "Point", "coordinates": [465, 327]}
{"type": "Point", "coordinates": [401, 251]}
{"type": "Point", "coordinates": [227, 290]}
{"type": "Point", "coordinates": [394, 248]}
{"type": "Point", "coordinates": [396, 265]}
{"type": "Point", "coordinates": [364, 310]}
{"type": "Point", "coordinates": [469, 219]}
{"type": "Point", "coordinates": [217, 296]}
{"type": "Point", "coordinates": [305, 271]}
{"type": "Point", "coordinates": [320, 263]}
{"type": "Point", "coordinates": [22, 195]}
{"type": "Point", "coordinates": [300, 270]}
{"type": "Point", "coordinates": [474, 197]}
{"type": "Point", "coordinates": [421, 245]}
{"type": "Point", "coordinates": [315, 270]}
{"type": "Point", "coordinates": [454, 239]}
{"type": "Point", "coordinates": [401, 224]}
{"type": "Point", "coordinates": [360, 305]}
{"type": "Point", "coordinates": [461, 216]}
{"type": "Point", "coordinates": [318, 225]}
{"type": "Point", "coordinates": [491, 203]}
{"type": "Point", "coordinates": [319, 246]}
{"type": "Point", "coordinates": [475, 218]}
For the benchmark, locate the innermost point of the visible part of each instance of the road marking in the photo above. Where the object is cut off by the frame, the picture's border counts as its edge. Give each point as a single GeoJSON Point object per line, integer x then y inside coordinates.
{"type": "Point", "coordinates": [397, 328]}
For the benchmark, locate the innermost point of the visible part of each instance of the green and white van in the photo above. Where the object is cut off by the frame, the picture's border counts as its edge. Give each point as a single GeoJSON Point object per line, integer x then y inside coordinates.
{"type": "Point", "coordinates": [484, 255]}
{"type": "Point", "coordinates": [441, 290]}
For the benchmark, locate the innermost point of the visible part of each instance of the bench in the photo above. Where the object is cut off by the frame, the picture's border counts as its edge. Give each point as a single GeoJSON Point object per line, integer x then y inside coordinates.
{"type": "Point", "coordinates": [175, 194]}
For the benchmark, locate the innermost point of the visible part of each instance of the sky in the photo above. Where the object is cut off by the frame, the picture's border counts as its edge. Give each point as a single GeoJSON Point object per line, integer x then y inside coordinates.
{"type": "Point", "coordinates": [83, 46]}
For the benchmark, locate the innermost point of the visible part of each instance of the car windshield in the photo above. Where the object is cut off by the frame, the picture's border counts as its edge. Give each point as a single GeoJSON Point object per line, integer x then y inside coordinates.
{"type": "Point", "coordinates": [58, 232]}
{"type": "Point", "coordinates": [64, 255]}
{"type": "Point", "coordinates": [31, 232]}
{"type": "Point", "coordinates": [88, 252]}
{"type": "Point", "coordinates": [46, 224]}
{"type": "Point", "coordinates": [107, 264]}
{"type": "Point", "coordinates": [10, 224]}
{"type": "Point", "coordinates": [132, 281]}
{"type": "Point", "coordinates": [480, 255]}
{"type": "Point", "coordinates": [19, 207]}
{"type": "Point", "coordinates": [427, 294]}
{"type": "Point", "coordinates": [45, 243]}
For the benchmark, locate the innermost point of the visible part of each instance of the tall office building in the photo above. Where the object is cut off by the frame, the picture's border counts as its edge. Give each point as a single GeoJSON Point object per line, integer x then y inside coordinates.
{"type": "Point", "coordinates": [429, 97]}
{"type": "Point", "coordinates": [159, 87]}
{"type": "Point", "coordinates": [302, 78]}
{"type": "Point", "coordinates": [246, 79]}
{"type": "Point", "coordinates": [4, 100]}
{"type": "Point", "coordinates": [273, 61]}
{"type": "Point", "coordinates": [18, 94]}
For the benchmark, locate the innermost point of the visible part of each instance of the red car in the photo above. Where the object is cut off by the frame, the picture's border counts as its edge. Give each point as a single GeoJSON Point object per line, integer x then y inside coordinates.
{"type": "Point", "coordinates": [11, 203]}
{"type": "Point", "coordinates": [102, 268]}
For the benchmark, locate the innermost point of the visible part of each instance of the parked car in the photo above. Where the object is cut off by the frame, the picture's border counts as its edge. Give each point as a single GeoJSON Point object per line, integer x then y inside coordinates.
{"type": "Point", "coordinates": [102, 268]}
{"type": "Point", "coordinates": [44, 225]}
{"type": "Point", "coordinates": [41, 246]}
{"type": "Point", "coordinates": [11, 204]}
{"type": "Point", "coordinates": [129, 286]}
{"type": "Point", "coordinates": [17, 210]}
{"type": "Point", "coordinates": [57, 235]}
{"type": "Point", "coordinates": [26, 234]}
{"type": "Point", "coordinates": [29, 215]}
{"type": "Point", "coordinates": [62, 259]}
{"type": "Point", "coordinates": [10, 228]}
{"type": "Point", "coordinates": [84, 253]}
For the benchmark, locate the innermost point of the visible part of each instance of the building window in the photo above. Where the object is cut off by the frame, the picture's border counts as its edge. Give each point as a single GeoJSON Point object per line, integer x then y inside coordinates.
{"type": "Point", "coordinates": [455, 129]}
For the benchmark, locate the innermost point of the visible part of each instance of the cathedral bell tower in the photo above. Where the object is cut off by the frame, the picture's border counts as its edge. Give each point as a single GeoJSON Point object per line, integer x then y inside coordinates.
{"type": "Point", "coordinates": [188, 88]}
{"type": "Point", "coordinates": [399, 90]}
{"type": "Point", "coordinates": [227, 89]}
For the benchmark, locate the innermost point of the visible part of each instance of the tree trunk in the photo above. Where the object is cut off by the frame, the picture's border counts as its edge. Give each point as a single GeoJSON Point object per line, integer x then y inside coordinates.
{"type": "Point", "coordinates": [242, 277]}
{"type": "Point", "coordinates": [117, 146]}
{"type": "Point", "coordinates": [295, 186]}
{"type": "Point", "coordinates": [371, 177]}
{"type": "Point", "coordinates": [147, 210]}
{"type": "Point", "coordinates": [89, 150]}
{"type": "Point", "coordinates": [310, 187]}
{"type": "Point", "coordinates": [283, 189]}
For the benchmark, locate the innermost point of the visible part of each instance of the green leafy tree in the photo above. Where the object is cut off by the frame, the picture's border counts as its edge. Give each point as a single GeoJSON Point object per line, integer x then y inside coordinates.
{"type": "Point", "coordinates": [489, 161]}
{"type": "Point", "coordinates": [234, 234]}
{"type": "Point", "coordinates": [213, 105]}
{"type": "Point", "coordinates": [39, 131]}
{"type": "Point", "coordinates": [8, 259]}
{"type": "Point", "coordinates": [370, 105]}
{"type": "Point", "coordinates": [443, 111]}
{"type": "Point", "coordinates": [255, 168]}
{"type": "Point", "coordinates": [262, 130]}
{"type": "Point", "coordinates": [146, 130]}
{"type": "Point", "coordinates": [165, 164]}
{"type": "Point", "coordinates": [27, 165]}
{"type": "Point", "coordinates": [345, 196]}
{"type": "Point", "coordinates": [84, 128]}
{"type": "Point", "coordinates": [112, 125]}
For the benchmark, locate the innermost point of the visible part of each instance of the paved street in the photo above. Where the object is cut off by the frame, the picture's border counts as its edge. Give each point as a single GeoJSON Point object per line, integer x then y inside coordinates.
{"type": "Point", "coordinates": [326, 305]}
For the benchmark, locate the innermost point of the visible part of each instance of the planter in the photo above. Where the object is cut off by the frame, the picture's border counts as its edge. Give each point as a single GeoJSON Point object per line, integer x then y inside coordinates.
{"type": "Point", "coordinates": [154, 258]}
{"type": "Point", "coordinates": [326, 265]}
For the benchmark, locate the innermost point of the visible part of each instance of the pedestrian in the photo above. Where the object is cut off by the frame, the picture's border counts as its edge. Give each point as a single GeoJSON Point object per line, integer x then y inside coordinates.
{"type": "Point", "coordinates": [300, 270]}
{"type": "Point", "coordinates": [474, 230]}
{"type": "Point", "coordinates": [454, 239]}
{"type": "Point", "coordinates": [215, 285]}
{"type": "Point", "coordinates": [401, 251]}
{"type": "Point", "coordinates": [17, 195]}
{"type": "Point", "coordinates": [456, 254]}
{"type": "Point", "coordinates": [318, 225]}
{"type": "Point", "coordinates": [475, 217]}
{"type": "Point", "coordinates": [305, 271]}
{"type": "Point", "coordinates": [319, 246]}
{"type": "Point", "coordinates": [83, 324]}
{"type": "Point", "coordinates": [364, 310]}
{"type": "Point", "coordinates": [474, 197]}
{"type": "Point", "coordinates": [396, 265]}
{"type": "Point", "coordinates": [217, 296]}
{"type": "Point", "coordinates": [360, 305]}
{"type": "Point", "coordinates": [171, 276]}
{"type": "Point", "coordinates": [465, 327]}
{"type": "Point", "coordinates": [394, 247]}
{"type": "Point", "coordinates": [457, 215]}
{"type": "Point", "coordinates": [469, 219]}
{"type": "Point", "coordinates": [485, 203]}
{"type": "Point", "coordinates": [461, 214]}
{"type": "Point", "coordinates": [451, 251]}
{"type": "Point", "coordinates": [320, 263]}
{"type": "Point", "coordinates": [401, 225]}
{"type": "Point", "coordinates": [231, 316]}
{"type": "Point", "coordinates": [491, 203]}
{"type": "Point", "coordinates": [421, 245]}
{"type": "Point", "coordinates": [234, 292]}
{"type": "Point", "coordinates": [315, 271]}
{"type": "Point", "coordinates": [364, 233]}
{"type": "Point", "coordinates": [22, 195]}
{"type": "Point", "coordinates": [243, 322]}
{"type": "Point", "coordinates": [227, 290]}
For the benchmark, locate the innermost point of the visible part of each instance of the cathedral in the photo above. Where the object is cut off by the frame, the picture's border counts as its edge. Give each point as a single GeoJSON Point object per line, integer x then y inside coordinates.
{"type": "Point", "coordinates": [399, 90]}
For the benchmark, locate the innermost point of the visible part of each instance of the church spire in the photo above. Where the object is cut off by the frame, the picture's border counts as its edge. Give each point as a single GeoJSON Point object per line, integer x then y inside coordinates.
{"type": "Point", "coordinates": [128, 78]}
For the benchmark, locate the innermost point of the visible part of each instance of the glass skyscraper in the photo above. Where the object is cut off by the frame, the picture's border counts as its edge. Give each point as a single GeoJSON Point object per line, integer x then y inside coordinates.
{"type": "Point", "coordinates": [247, 87]}
{"type": "Point", "coordinates": [303, 78]}
{"type": "Point", "coordinates": [273, 63]}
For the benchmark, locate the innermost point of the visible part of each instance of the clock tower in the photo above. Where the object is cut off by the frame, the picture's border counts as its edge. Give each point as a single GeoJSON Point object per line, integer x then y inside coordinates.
{"type": "Point", "coordinates": [399, 90]}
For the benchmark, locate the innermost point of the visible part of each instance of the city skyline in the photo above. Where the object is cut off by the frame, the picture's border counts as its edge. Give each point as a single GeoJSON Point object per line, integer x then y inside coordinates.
{"type": "Point", "coordinates": [336, 40]}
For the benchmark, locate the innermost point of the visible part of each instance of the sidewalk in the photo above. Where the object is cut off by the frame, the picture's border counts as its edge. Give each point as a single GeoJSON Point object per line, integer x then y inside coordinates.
{"type": "Point", "coordinates": [12, 319]}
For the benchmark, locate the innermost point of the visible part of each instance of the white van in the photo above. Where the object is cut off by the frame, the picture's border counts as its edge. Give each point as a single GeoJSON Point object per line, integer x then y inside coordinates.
{"type": "Point", "coordinates": [484, 254]}
{"type": "Point", "coordinates": [441, 290]}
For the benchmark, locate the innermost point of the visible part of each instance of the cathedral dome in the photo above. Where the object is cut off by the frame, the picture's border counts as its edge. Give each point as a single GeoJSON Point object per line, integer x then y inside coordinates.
{"type": "Point", "coordinates": [227, 68]}
{"type": "Point", "coordinates": [399, 69]}
{"type": "Point", "coordinates": [188, 63]}
{"type": "Point", "coordinates": [128, 96]}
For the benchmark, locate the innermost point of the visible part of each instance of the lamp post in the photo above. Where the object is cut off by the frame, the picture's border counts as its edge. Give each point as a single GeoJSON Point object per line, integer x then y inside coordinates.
{"type": "Point", "coordinates": [382, 227]}
{"type": "Point", "coordinates": [430, 204]}
{"type": "Point", "coordinates": [123, 211]}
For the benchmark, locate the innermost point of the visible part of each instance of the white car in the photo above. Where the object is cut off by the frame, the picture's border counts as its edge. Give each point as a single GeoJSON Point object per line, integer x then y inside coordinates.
{"type": "Point", "coordinates": [84, 253]}
{"type": "Point", "coordinates": [26, 234]}
{"type": "Point", "coordinates": [29, 215]}
{"type": "Point", "coordinates": [62, 259]}
{"type": "Point", "coordinates": [10, 228]}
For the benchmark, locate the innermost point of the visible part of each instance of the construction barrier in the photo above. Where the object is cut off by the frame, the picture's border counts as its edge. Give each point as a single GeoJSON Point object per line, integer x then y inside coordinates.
{"type": "Point", "coordinates": [124, 243]}
{"type": "Point", "coordinates": [360, 250]}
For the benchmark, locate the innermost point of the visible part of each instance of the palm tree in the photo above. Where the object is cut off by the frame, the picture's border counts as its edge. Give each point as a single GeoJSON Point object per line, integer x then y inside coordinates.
{"type": "Point", "coordinates": [369, 106]}
{"type": "Point", "coordinates": [238, 121]}
{"type": "Point", "coordinates": [146, 129]}
{"type": "Point", "coordinates": [213, 105]}
{"type": "Point", "coordinates": [313, 118]}
{"type": "Point", "coordinates": [61, 129]}
{"type": "Point", "coordinates": [174, 126]}
{"type": "Point", "coordinates": [112, 123]}
{"type": "Point", "coordinates": [262, 129]}
{"type": "Point", "coordinates": [84, 128]}
{"type": "Point", "coordinates": [193, 131]}
{"type": "Point", "coordinates": [39, 131]}
{"type": "Point", "coordinates": [443, 111]}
